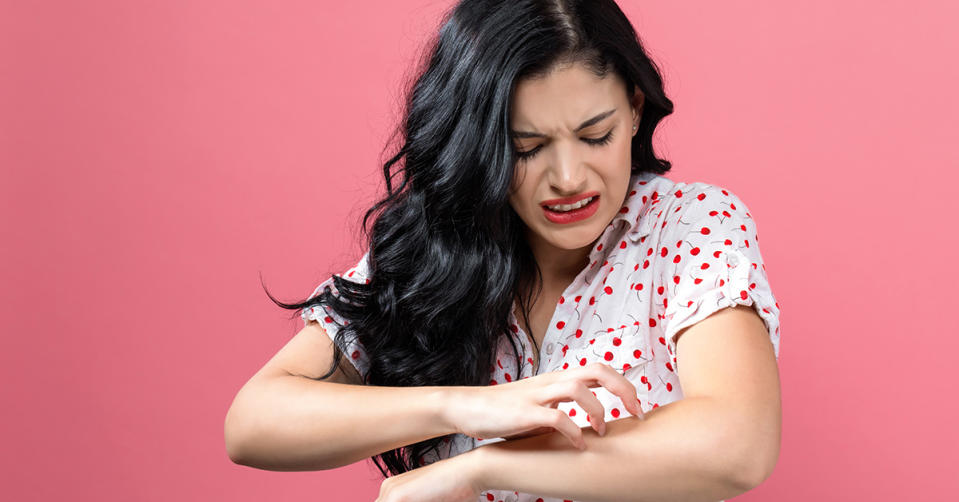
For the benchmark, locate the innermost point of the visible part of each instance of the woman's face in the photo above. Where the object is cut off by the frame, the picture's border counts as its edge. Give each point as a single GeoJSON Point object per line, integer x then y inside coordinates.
{"type": "Point", "coordinates": [572, 133]}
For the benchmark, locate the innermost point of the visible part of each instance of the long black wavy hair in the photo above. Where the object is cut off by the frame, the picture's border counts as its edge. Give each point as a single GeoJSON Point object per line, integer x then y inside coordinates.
{"type": "Point", "coordinates": [447, 253]}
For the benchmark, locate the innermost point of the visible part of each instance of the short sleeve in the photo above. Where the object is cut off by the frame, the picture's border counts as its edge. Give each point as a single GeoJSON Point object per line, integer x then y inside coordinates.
{"type": "Point", "coordinates": [712, 261]}
{"type": "Point", "coordinates": [332, 322]}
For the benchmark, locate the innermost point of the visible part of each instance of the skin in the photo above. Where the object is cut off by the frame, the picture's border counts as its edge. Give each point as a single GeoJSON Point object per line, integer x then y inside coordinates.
{"type": "Point", "coordinates": [565, 164]}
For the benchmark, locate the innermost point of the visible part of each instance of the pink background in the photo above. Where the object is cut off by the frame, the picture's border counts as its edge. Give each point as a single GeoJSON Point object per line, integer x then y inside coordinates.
{"type": "Point", "coordinates": [157, 157]}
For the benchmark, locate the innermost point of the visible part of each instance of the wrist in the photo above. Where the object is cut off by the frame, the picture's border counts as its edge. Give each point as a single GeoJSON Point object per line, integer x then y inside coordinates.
{"type": "Point", "coordinates": [445, 401]}
{"type": "Point", "coordinates": [476, 467]}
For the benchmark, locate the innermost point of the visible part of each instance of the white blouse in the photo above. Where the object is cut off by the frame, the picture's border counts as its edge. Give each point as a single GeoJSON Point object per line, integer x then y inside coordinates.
{"type": "Point", "coordinates": [674, 254]}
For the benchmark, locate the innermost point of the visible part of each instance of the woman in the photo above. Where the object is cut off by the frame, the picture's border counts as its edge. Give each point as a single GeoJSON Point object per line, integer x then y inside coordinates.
{"type": "Point", "coordinates": [531, 276]}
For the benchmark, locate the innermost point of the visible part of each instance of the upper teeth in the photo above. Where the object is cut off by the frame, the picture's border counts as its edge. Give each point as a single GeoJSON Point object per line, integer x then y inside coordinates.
{"type": "Point", "coordinates": [570, 207]}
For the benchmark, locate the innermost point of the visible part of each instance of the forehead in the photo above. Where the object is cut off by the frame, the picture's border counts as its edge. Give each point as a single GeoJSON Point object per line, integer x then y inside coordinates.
{"type": "Point", "coordinates": [563, 99]}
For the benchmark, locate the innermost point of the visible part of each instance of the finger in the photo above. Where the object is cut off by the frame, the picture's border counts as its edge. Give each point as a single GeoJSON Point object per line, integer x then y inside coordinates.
{"type": "Point", "coordinates": [575, 390]}
{"type": "Point", "coordinates": [617, 384]}
{"type": "Point", "coordinates": [557, 419]}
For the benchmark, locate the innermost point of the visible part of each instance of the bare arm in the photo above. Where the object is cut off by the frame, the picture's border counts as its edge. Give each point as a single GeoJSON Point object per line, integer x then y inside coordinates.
{"type": "Point", "coordinates": [283, 419]}
{"type": "Point", "coordinates": [675, 453]}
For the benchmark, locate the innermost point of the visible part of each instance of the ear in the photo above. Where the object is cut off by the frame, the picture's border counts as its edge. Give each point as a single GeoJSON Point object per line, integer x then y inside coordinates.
{"type": "Point", "coordinates": [637, 101]}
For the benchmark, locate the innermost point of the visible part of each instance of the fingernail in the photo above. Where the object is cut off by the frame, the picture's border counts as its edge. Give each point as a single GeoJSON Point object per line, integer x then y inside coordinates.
{"type": "Point", "coordinates": [602, 429]}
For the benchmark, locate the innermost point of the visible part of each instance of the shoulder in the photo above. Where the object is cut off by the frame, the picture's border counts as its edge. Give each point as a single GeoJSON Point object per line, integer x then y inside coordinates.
{"type": "Point", "coordinates": [701, 207]}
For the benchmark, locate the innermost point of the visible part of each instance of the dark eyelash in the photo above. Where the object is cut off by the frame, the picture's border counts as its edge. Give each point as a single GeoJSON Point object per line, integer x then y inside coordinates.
{"type": "Point", "coordinates": [595, 142]}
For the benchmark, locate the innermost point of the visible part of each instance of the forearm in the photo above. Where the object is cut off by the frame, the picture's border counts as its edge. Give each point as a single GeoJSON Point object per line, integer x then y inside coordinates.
{"type": "Point", "coordinates": [676, 454]}
{"type": "Point", "coordinates": [293, 423]}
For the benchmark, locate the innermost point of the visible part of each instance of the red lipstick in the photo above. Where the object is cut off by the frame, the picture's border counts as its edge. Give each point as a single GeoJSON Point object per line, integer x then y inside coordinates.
{"type": "Point", "coordinates": [568, 200]}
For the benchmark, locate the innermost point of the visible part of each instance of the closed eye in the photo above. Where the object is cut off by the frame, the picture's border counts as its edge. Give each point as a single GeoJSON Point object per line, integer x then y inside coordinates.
{"type": "Point", "coordinates": [591, 141]}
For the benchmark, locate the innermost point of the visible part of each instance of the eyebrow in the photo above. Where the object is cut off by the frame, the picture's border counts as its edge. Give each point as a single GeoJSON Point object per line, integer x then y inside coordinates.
{"type": "Point", "coordinates": [584, 125]}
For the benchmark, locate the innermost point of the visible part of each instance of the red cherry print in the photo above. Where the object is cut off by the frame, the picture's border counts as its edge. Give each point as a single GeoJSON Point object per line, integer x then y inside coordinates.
{"type": "Point", "coordinates": [724, 192]}
{"type": "Point", "coordinates": [572, 412]}
{"type": "Point", "coordinates": [660, 290]}
{"type": "Point", "coordinates": [676, 279]}
{"type": "Point", "coordinates": [678, 193]}
{"type": "Point", "coordinates": [608, 356]}
{"type": "Point", "coordinates": [743, 295]}
{"type": "Point", "coordinates": [514, 328]}
{"type": "Point", "coordinates": [639, 287]}
{"type": "Point", "coordinates": [679, 243]}
{"type": "Point", "coordinates": [565, 365]}
{"type": "Point", "coordinates": [655, 194]}
{"type": "Point", "coordinates": [608, 290]}
{"type": "Point", "coordinates": [636, 267]}
{"type": "Point", "coordinates": [562, 300]}
{"type": "Point", "coordinates": [664, 252]}
{"type": "Point", "coordinates": [669, 366]}
{"type": "Point", "coordinates": [592, 300]}
{"type": "Point", "coordinates": [509, 378]}
{"type": "Point", "coordinates": [694, 251]}
{"type": "Point", "coordinates": [704, 231]}
{"type": "Point", "coordinates": [560, 325]}
{"type": "Point", "coordinates": [649, 251]}
{"type": "Point", "coordinates": [355, 354]}
{"type": "Point", "coordinates": [582, 362]}
{"type": "Point", "coordinates": [697, 280]}
{"type": "Point", "coordinates": [726, 214]}
{"type": "Point", "coordinates": [676, 259]}
{"type": "Point", "coordinates": [669, 386]}
{"type": "Point", "coordinates": [732, 206]}
{"type": "Point", "coordinates": [350, 274]}
{"type": "Point", "coordinates": [728, 242]}
{"type": "Point", "coordinates": [662, 340]}
{"type": "Point", "coordinates": [489, 496]}
{"type": "Point", "coordinates": [328, 319]}
{"type": "Point", "coordinates": [645, 263]}
{"type": "Point", "coordinates": [743, 227]}
{"type": "Point", "coordinates": [498, 363]}
{"type": "Point", "coordinates": [701, 196]}
{"type": "Point", "coordinates": [599, 247]}
{"type": "Point", "coordinates": [626, 366]}
{"type": "Point", "coordinates": [652, 322]}
{"type": "Point", "coordinates": [579, 333]}
{"type": "Point", "coordinates": [713, 213]}
{"type": "Point", "coordinates": [633, 192]}
{"type": "Point", "coordinates": [565, 348]}
{"type": "Point", "coordinates": [721, 282]}
{"type": "Point", "coordinates": [746, 241]}
{"type": "Point", "coordinates": [622, 245]}
{"type": "Point", "coordinates": [578, 298]}
{"type": "Point", "coordinates": [492, 382]}
{"type": "Point", "coordinates": [617, 341]}
{"type": "Point", "coordinates": [717, 253]}
{"type": "Point", "coordinates": [643, 379]}
{"type": "Point", "coordinates": [704, 266]}
{"type": "Point", "coordinates": [637, 353]}
{"type": "Point", "coordinates": [623, 210]}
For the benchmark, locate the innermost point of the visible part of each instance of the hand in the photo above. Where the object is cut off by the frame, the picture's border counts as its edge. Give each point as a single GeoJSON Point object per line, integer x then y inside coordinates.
{"type": "Point", "coordinates": [527, 406]}
{"type": "Point", "coordinates": [454, 479]}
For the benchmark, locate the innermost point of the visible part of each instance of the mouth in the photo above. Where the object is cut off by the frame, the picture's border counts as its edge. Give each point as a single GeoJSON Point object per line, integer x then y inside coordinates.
{"type": "Point", "coordinates": [568, 200]}
{"type": "Point", "coordinates": [569, 213]}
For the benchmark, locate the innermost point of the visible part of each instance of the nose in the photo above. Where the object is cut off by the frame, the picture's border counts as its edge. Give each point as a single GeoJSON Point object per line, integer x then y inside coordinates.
{"type": "Point", "coordinates": [567, 174]}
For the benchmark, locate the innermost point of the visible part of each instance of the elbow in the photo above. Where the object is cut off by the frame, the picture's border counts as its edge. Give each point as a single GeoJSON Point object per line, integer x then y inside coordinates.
{"type": "Point", "coordinates": [756, 463]}
{"type": "Point", "coordinates": [234, 438]}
